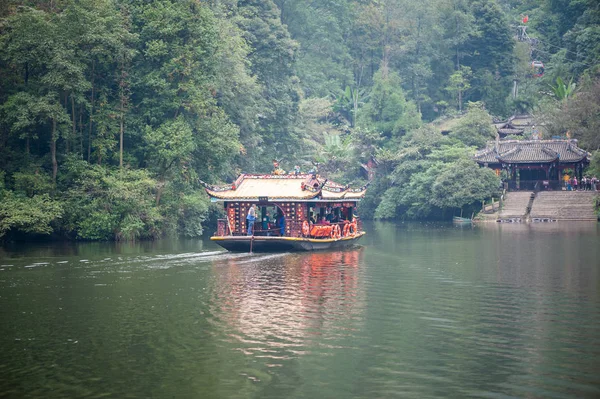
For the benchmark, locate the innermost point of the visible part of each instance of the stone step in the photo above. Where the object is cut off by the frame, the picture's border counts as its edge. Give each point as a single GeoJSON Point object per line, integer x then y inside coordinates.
{"type": "Point", "coordinates": [514, 206]}
{"type": "Point", "coordinates": [564, 205]}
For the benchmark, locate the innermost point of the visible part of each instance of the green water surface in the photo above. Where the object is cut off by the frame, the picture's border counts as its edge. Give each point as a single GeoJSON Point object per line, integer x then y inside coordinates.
{"type": "Point", "coordinates": [417, 311]}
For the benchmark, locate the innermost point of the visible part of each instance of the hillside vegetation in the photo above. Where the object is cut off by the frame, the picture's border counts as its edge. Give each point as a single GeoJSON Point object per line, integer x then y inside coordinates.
{"type": "Point", "coordinates": [112, 111]}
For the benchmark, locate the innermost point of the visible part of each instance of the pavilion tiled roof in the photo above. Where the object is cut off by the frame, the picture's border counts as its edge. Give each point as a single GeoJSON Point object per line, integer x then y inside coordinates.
{"type": "Point", "coordinates": [509, 131]}
{"type": "Point", "coordinates": [286, 187]}
{"type": "Point", "coordinates": [520, 120]}
{"type": "Point", "coordinates": [532, 151]}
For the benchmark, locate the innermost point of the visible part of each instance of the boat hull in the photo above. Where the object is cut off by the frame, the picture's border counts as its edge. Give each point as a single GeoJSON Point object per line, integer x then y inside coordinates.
{"type": "Point", "coordinates": [278, 244]}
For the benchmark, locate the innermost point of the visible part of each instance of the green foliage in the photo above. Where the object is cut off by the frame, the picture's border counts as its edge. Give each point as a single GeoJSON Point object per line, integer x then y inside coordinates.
{"type": "Point", "coordinates": [29, 215]}
{"type": "Point", "coordinates": [475, 128]}
{"type": "Point", "coordinates": [388, 111]}
{"type": "Point", "coordinates": [32, 183]}
{"type": "Point", "coordinates": [348, 104]}
{"type": "Point", "coordinates": [272, 60]}
{"type": "Point", "coordinates": [563, 90]}
{"type": "Point", "coordinates": [458, 84]}
{"type": "Point", "coordinates": [463, 183]}
{"type": "Point", "coordinates": [432, 174]}
{"type": "Point", "coordinates": [112, 204]}
{"type": "Point", "coordinates": [171, 142]}
{"type": "Point", "coordinates": [578, 114]}
{"type": "Point", "coordinates": [193, 212]}
{"type": "Point", "coordinates": [336, 153]}
{"type": "Point", "coordinates": [323, 58]}
{"type": "Point", "coordinates": [181, 90]}
{"type": "Point", "coordinates": [594, 168]}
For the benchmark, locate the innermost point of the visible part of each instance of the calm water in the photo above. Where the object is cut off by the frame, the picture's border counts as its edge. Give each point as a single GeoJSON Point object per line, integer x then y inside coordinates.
{"type": "Point", "coordinates": [418, 311]}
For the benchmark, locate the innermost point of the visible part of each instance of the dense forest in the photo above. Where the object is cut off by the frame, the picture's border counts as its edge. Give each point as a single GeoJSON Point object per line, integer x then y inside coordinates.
{"type": "Point", "coordinates": [112, 111]}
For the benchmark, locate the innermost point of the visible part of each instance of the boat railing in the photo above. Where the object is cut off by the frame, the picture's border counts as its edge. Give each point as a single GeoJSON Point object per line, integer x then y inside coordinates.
{"type": "Point", "coordinates": [294, 229]}
{"type": "Point", "coordinates": [222, 229]}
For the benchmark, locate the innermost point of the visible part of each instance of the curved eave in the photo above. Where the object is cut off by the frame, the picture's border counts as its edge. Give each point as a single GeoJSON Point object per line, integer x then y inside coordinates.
{"type": "Point", "coordinates": [574, 160]}
{"type": "Point", "coordinates": [227, 196]}
{"type": "Point", "coordinates": [521, 162]}
{"type": "Point", "coordinates": [344, 195]}
{"type": "Point", "coordinates": [487, 160]}
{"type": "Point", "coordinates": [358, 195]}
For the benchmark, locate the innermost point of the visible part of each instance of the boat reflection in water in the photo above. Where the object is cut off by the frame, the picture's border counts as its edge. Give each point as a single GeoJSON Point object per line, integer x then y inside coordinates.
{"type": "Point", "coordinates": [272, 305]}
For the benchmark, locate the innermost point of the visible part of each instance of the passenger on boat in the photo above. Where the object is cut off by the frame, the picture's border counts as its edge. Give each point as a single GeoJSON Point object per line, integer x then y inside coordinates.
{"type": "Point", "coordinates": [324, 221]}
{"type": "Point", "coordinates": [250, 219]}
{"type": "Point", "coordinates": [280, 223]}
{"type": "Point", "coordinates": [329, 217]}
{"type": "Point", "coordinates": [265, 223]}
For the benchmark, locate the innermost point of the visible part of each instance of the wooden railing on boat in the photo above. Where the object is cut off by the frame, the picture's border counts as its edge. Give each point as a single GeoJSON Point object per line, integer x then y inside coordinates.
{"type": "Point", "coordinates": [294, 229]}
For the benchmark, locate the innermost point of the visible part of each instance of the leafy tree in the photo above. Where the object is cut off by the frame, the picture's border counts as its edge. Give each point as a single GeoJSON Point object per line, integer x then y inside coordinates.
{"type": "Point", "coordinates": [578, 114]}
{"type": "Point", "coordinates": [323, 58]}
{"type": "Point", "coordinates": [475, 128]}
{"type": "Point", "coordinates": [103, 204]}
{"type": "Point", "coordinates": [460, 28]}
{"type": "Point", "coordinates": [388, 111]}
{"type": "Point", "coordinates": [459, 84]}
{"type": "Point", "coordinates": [464, 183]}
{"type": "Point", "coordinates": [170, 146]}
{"type": "Point", "coordinates": [336, 153]}
{"type": "Point", "coordinates": [563, 90]}
{"type": "Point", "coordinates": [30, 215]}
{"type": "Point", "coordinates": [272, 60]}
{"type": "Point", "coordinates": [238, 89]}
{"type": "Point", "coordinates": [175, 79]}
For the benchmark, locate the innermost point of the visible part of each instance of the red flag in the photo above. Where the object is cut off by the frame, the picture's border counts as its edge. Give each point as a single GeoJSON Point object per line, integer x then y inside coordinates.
{"type": "Point", "coordinates": [525, 19]}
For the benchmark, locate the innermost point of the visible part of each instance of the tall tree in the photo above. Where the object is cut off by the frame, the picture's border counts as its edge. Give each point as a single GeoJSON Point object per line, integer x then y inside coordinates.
{"type": "Point", "coordinates": [491, 56]}
{"type": "Point", "coordinates": [324, 64]}
{"type": "Point", "coordinates": [388, 111]}
{"type": "Point", "coordinates": [273, 61]}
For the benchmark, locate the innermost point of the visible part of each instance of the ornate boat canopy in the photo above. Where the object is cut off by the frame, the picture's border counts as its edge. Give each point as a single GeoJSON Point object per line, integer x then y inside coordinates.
{"type": "Point", "coordinates": [284, 187]}
{"type": "Point", "coordinates": [532, 151]}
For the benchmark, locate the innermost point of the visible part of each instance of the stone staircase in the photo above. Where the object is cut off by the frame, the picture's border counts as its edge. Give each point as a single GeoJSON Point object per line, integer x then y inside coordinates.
{"type": "Point", "coordinates": [563, 205]}
{"type": "Point", "coordinates": [515, 207]}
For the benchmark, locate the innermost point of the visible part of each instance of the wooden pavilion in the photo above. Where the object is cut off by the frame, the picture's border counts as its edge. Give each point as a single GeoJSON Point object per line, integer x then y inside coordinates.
{"type": "Point", "coordinates": [534, 164]}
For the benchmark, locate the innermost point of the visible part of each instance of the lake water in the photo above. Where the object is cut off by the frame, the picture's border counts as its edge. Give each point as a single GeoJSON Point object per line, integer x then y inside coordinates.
{"type": "Point", "coordinates": [417, 311]}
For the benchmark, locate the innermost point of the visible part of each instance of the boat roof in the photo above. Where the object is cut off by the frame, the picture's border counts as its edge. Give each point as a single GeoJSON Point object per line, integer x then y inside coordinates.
{"type": "Point", "coordinates": [284, 187]}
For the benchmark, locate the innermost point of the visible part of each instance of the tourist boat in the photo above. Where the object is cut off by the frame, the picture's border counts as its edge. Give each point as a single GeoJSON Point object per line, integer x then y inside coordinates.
{"type": "Point", "coordinates": [297, 211]}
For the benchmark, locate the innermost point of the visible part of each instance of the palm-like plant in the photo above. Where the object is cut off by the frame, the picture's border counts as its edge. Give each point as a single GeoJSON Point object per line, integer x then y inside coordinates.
{"type": "Point", "coordinates": [336, 152]}
{"type": "Point", "coordinates": [562, 91]}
